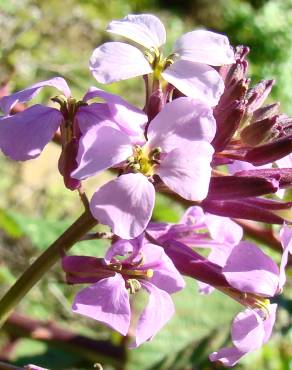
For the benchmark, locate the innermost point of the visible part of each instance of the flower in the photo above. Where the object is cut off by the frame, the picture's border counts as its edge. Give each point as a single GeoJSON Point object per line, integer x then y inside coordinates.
{"type": "Point", "coordinates": [187, 68]}
{"type": "Point", "coordinates": [24, 135]}
{"type": "Point", "coordinates": [107, 300]}
{"type": "Point", "coordinates": [177, 149]}
{"type": "Point", "coordinates": [252, 272]}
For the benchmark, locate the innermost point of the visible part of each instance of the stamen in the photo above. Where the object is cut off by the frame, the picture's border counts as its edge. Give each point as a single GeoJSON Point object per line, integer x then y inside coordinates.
{"type": "Point", "coordinates": [134, 285]}
{"type": "Point", "coordinates": [139, 273]}
{"type": "Point", "coordinates": [250, 300]}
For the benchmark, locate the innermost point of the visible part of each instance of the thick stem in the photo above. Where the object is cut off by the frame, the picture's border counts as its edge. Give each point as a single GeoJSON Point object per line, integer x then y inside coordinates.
{"type": "Point", "coordinates": [43, 263]}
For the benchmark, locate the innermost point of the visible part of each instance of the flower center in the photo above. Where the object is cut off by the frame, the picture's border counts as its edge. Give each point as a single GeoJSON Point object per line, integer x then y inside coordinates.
{"type": "Point", "coordinates": [158, 62]}
{"type": "Point", "coordinates": [143, 160]}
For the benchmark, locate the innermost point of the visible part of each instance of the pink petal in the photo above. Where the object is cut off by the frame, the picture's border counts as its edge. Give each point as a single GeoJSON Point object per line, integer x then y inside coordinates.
{"type": "Point", "coordinates": [196, 80]}
{"type": "Point", "coordinates": [145, 29]}
{"type": "Point", "coordinates": [115, 61]}
{"type": "Point", "coordinates": [286, 240]}
{"type": "Point", "coordinates": [194, 216]}
{"type": "Point", "coordinates": [24, 135]}
{"type": "Point", "coordinates": [182, 121]}
{"type": "Point", "coordinates": [106, 301]}
{"type": "Point", "coordinates": [101, 147]}
{"type": "Point", "coordinates": [128, 248]}
{"type": "Point", "coordinates": [187, 170]}
{"type": "Point", "coordinates": [130, 119]}
{"type": "Point", "coordinates": [165, 274]}
{"type": "Point", "coordinates": [8, 102]}
{"type": "Point", "coordinates": [92, 115]}
{"type": "Point", "coordinates": [238, 166]}
{"type": "Point", "coordinates": [247, 331]}
{"type": "Point", "coordinates": [285, 162]}
{"type": "Point", "coordinates": [158, 311]}
{"type": "Point", "coordinates": [125, 204]}
{"type": "Point", "coordinates": [249, 269]}
{"type": "Point", "coordinates": [205, 47]}
{"type": "Point", "coordinates": [270, 322]}
{"type": "Point", "coordinates": [223, 229]}
{"type": "Point", "coordinates": [228, 356]}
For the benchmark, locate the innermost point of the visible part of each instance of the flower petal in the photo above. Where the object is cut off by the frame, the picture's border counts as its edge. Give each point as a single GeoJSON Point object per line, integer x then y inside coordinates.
{"type": "Point", "coordinates": [196, 80]}
{"type": "Point", "coordinates": [205, 47]}
{"type": "Point", "coordinates": [187, 170]}
{"type": "Point", "coordinates": [182, 121]}
{"type": "Point", "coordinates": [106, 301]}
{"type": "Point", "coordinates": [91, 115]}
{"type": "Point", "coordinates": [228, 356]}
{"type": "Point", "coordinates": [129, 118]}
{"type": "Point", "coordinates": [247, 331]}
{"type": "Point", "coordinates": [8, 102]}
{"type": "Point", "coordinates": [24, 135]}
{"type": "Point", "coordinates": [145, 29]}
{"type": "Point", "coordinates": [101, 147]}
{"type": "Point", "coordinates": [129, 248]}
{"type": "Point", "coordinates": [286, 240]}
{"type": "Point", "coordinates": [248, 269]}
{"type": "Point", "coordinates": [158, 311]}
{"type": "Point", "coordinates": [270, 322]}
{"type": "Point", "coordinates": [165, 274]}
{"type": "Point", "coordinates": [223, 229]}
{"type": "Point", "coordinates": [125, 204]}
{"type": "Point", "coordinates": [115, 61]}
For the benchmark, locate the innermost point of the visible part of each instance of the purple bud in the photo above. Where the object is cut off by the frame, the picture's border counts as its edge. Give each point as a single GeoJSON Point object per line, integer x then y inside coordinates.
{"type": "Point", "coordinates": [268, 111]}
{"type": "Point", "coordinates": [283, 175]}
{"type": "Point", "coordinates": [270, 152]}
{"type": "Point", "coordinates": [155, 104]}
{"type": "Point", "coordinates": [67, 164]}
{"type": "Point", "coordinates": [257, 132]}
{"type": "Point", "coordinates": [233, 187]}
{"type": "Point", "coordinates": [227, 121]}
{"type": "Point", "coordinates": [255, 209]}
{"type": "Point", "coordinates": [258, 94]}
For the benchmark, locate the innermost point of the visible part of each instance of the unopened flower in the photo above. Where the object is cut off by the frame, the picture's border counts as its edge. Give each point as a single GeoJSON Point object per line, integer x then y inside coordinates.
{"type": "Point", "coordinates": [187, 68]}
{"type": "Point", "coordinates": [107, 300]}
{"type": "Point", "coordinates": [177, 149]}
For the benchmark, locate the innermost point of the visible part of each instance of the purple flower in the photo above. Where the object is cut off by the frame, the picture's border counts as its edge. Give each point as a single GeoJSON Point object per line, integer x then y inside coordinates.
{"type": "Point", "coordinates": [107, 300]}
{"type": "Point", "coordinates": [250, 330]}
{"type": "Point", "coordinates": [201, 230]}
{"type": "Point", "coordinates": [177, 149]}
{"type": "Point", "coordinates": [251, 271]}
{"type": "Point", "coordinates": [24, 135]}
{"type": "Point", "coordinates": [187, 68]}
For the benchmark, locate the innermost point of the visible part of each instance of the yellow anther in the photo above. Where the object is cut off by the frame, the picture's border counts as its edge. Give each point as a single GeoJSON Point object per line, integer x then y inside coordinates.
{"type": "Point", "coordinates": [150, 273]}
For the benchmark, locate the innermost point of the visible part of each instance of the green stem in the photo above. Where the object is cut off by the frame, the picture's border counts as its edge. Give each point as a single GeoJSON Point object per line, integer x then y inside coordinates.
{"type": "Point", "coordinates": [43, 263]}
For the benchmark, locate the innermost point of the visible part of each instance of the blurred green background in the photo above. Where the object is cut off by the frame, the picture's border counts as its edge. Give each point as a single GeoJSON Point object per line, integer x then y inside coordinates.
{"type": "Point", "coordinates": [41, 39]}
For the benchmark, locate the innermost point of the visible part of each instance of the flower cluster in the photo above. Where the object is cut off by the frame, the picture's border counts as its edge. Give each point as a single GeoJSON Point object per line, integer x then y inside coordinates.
{"type": "Point", "coordinates": [204, 139]}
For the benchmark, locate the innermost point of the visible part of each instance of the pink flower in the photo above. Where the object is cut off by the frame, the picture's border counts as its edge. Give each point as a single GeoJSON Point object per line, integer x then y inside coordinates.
{"type": "Point", "coordinates": [107, 300]}
{"type": "Point", "coordinates": [252, 272]}
{"type": "Point", "coordinates": [187, 68]}
{"type": "Point", "coordinates": [177, 149]}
